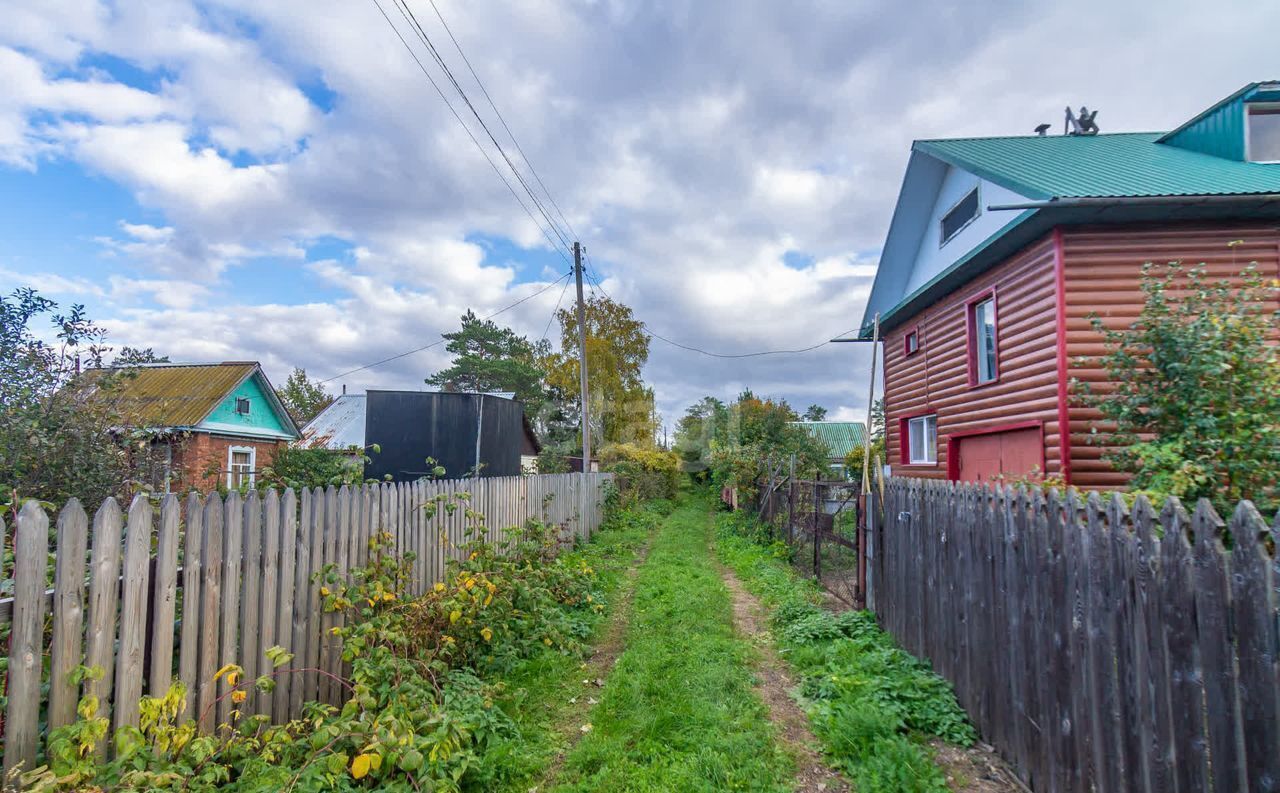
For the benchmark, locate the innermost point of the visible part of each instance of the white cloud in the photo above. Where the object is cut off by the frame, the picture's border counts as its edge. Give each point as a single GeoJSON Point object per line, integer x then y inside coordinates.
{"type": "Point", "coordinates": [692, 145]}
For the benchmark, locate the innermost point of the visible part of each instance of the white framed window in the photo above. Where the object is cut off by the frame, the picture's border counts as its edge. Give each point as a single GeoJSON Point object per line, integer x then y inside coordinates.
{"type": "Point", "coordinates": [983, 324]}
{"type": "Point", "coordinates": [242, 406]}
{"type": "Point", "coordinates": [964, 212]}
{"type": "Point", "coordinates": [922, 440]}
{"type": "Point", "coordinates": [1262, 133]}
{"type": "Point", "coordinates": [241, 462]}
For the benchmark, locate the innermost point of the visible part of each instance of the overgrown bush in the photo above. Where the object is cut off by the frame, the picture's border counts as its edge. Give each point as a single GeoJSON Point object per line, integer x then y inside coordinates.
{"type": "Point", "coordinates": [872, 704]}
{"type": "Point", "coordinates": [1192, 394]}
{"type": "Point", "coordinates": [642, 473]}
{"type": "Point", "coordinates": [420, 712]}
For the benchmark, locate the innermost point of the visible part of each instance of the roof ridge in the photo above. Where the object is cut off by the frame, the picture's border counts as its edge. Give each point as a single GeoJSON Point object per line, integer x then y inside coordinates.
{"type": "Point", "coordinates": [1032, 136]}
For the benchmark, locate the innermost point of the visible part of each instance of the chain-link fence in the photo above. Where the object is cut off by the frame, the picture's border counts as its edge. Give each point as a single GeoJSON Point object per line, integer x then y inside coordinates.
{"type": "Point", "coordinates": [819, 520]}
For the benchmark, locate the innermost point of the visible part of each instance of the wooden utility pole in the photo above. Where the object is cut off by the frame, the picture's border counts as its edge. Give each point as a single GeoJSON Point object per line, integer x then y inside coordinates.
{"type": "Point", "coordinates": [582, 360]}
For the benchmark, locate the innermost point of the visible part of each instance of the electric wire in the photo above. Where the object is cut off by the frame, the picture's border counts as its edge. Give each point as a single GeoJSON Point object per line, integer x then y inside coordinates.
{"type": "Point", "coordinates": [467, 129]}
{"type": "Point", "coordinates": [554, 311]}
{"type": "Point", "coordinates": [498, 113]}
{"type": "Point", "coordinates": [592, 274]}
{"type": "Point", "coordinates": [423, 36]}
{"type": "Point", "coordinates": [442, 341]}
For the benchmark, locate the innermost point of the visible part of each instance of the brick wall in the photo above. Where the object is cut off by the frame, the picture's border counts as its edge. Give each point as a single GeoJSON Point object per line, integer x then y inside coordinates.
{"type": "Point", "coordinates": [201, 453]}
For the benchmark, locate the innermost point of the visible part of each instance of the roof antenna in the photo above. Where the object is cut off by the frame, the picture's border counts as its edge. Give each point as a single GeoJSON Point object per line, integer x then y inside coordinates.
{"type": "Point", "coordinates": [1043, 129]}
{"type": "Point", "coordinates": [1082, 124]}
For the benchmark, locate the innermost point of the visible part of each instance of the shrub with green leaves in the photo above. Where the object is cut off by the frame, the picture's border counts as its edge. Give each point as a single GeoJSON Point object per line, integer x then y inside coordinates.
{"type": "Point", "coordinates": [1192, 392]}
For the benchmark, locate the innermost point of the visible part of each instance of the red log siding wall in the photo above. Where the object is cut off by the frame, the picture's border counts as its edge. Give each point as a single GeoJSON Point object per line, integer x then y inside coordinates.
{"type": "Point", "coordinates": [936, 378]}
{"type": "Point", "coordinates": [1102, 268]}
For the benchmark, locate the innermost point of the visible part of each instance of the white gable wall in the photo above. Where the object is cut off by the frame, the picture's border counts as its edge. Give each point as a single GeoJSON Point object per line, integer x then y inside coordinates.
{"type": "Point", "coordinates": [932, 257]}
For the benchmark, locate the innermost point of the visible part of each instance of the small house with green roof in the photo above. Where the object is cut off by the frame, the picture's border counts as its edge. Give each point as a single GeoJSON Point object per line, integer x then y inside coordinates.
{"type": "Point", "coordinates": [999, 251]}
{"type": "Point", "coordinates": [839, 437]}
{"type": "Point", "coordinates": [210, 424]}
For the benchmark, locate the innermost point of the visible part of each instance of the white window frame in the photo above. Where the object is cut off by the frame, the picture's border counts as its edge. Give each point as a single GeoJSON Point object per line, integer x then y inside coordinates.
{"type": "Point", "coordinates": [977, 193]}
{"type": "Point", "coordinates": [979, 350]}
{"type": "Point", "coordinates": [930, 437]}
{"type": "Point", "coordinates": [1273, 106]}
{"type": "Point", "coordinates": [253, 464]}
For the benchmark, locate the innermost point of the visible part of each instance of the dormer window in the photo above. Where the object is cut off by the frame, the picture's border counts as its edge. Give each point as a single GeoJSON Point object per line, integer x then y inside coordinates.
{"type": "Point", "coordinates": [1262, 134]}
{"type": "Point", "coordinates": [959, 216]}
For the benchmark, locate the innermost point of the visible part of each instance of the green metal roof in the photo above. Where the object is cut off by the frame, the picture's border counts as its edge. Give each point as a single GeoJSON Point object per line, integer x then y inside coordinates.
{"type": "Point", "coordinates": [839, 436]}
{"type": "Point", "coordinates": [1102, 166]}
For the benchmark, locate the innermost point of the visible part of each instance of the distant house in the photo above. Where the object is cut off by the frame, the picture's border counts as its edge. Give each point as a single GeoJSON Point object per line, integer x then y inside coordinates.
{"type": "Point", "coordinates": [459, 431]}
{"type": "Point", "coordinates": [999, 251]}
{"type": "Point", "coordinates": [211, 424]}
{"type": "Point", "coordinates": [840, 438]}
{"type": "Point", "coordinates": [338, 428]}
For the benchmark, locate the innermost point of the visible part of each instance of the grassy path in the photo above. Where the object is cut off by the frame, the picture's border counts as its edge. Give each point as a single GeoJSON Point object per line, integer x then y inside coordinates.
{"type": "Point", "coordinates": [678, 712]}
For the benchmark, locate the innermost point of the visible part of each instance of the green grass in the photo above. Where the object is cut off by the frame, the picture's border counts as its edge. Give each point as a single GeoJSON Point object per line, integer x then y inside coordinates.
{"type": "Point", "coordinates": [871, 704]}
{"type": "Point", "coordinates": [678, 711]}
{"type": "Point", "coordinates": [538, 690]}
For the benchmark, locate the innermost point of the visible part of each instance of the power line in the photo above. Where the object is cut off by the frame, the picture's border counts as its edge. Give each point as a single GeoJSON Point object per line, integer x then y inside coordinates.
{"type": "Point", "coordinates": [412, 19]}
{"type": "Point", "coordinates": [593, 277]}
{"type": "Point", "coordinates": [498, 113]}
{"type": "Point", "coordinates": [467, 129]}
{"type": "Point", "coordinates": [554, 311]}
{"type": "Point", "coordinates": [442, 341]}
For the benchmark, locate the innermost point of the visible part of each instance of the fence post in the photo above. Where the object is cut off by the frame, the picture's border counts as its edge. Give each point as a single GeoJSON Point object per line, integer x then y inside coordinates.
{"type": "Point", "coordinates": [68, 613]}
{"type": "Point", "coordinates": [817, 542]}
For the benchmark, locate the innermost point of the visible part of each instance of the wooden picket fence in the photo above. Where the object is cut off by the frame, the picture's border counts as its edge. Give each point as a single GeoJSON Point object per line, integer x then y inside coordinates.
{"type": "Point", "coordinates": [1097, 648]}
{"type": "Point", "coordinates": [244, 583]}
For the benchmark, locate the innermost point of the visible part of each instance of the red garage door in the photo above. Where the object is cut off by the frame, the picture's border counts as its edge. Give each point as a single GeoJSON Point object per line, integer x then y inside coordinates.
{"type": "Point", "coordinates": [1014, 453]}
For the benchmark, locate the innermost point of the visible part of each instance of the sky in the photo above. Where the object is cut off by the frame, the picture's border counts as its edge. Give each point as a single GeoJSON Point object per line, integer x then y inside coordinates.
{"type": "Point", "coordinates": [279, 181]}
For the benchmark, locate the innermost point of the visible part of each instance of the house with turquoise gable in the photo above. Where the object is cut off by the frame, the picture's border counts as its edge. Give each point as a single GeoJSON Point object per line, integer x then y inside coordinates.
{"type": "Point", "coordinates": [209, 424]}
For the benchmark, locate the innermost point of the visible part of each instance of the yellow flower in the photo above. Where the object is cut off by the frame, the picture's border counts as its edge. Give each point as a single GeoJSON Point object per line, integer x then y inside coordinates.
{"type": "Point", "coordinates": [470, 583]}
{"type": "Point", "coordinates": [449, 640]}
{"type": "Point", "coordinates": [238, 696]}
{"type": "Point", "coordinates": [324, 591]}
{"type": "Point", "coordinates": [487, 634]}
{"type": "Point", "coordinates": [488, 600]}
{"type": "Point", "coordinates": [439, 586]}
{"type": "Point", "coordinates": [371, 601]}
{"type": "Point", "coordinates": [335, 630]}
{"type": "Point", "coordinates": [388, 596]}
{"type": "Point", "coordinates": [547, 642]}
{"type": "Point", "coordinates": [232, 677]}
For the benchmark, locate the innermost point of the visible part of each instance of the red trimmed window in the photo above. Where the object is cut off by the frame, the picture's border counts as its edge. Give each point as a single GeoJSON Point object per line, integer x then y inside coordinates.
{"type": "Point", "coordinates": [919, 439]}
{"type": "Point", "coordinates": [984, 365]}
{"type": "Point", "coordinates": [911, 342]}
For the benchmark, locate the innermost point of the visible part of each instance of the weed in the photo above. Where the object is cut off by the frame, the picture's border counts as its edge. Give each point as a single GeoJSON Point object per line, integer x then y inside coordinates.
{"type": "Point", "coordinates": [871, 703]}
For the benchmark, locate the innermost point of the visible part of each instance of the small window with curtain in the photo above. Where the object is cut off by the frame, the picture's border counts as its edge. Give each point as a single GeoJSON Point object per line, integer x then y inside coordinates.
{"type": "Point", "coordinates": [983, 364]}
{"type": "Point", "coordinates": [922, 440]}
{"type": "Point", "coordinates": [240, 460]}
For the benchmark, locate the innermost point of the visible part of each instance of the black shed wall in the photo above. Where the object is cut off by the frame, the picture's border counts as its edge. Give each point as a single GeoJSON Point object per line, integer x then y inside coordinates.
{"type": "Point", "coordinates": [410, 426]}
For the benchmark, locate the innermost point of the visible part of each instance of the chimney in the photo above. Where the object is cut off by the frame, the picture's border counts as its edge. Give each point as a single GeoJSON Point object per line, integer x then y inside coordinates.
{"type": "Point", "coordinates": [344, 389]}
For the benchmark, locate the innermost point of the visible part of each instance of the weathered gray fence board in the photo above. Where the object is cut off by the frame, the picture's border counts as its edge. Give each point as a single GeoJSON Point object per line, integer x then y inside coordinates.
{"type": "Point", "coordinates": [250, 594]}
{"type": "Point", "coordinates": [192, 579]}
{"type": "Point", "coordinates": [1098, 649]}
{"type": "Point", "coordinates": [210, 613]}
{"type": "Point", "coordinates": [164, 595]}
{"type": "Point", "coordinates": [288, 553]}
{"type": "Point", "coordinates": [232, 563]}
{"type": "Point", "coordinates": [104, 594]}
{"type": "Point", "coordinates": [30, 561]}
{"type": "Point", "coordinates": [270, 593]}
{"type": "Point", "coordinates": [68, 613]}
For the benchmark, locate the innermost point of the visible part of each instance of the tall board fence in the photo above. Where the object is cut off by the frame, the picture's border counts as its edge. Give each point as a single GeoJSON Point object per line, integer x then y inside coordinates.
{"type": "Point", "coordinates": [1097, 648]}
{"type": "Point", "coordinates": [177, 589]}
